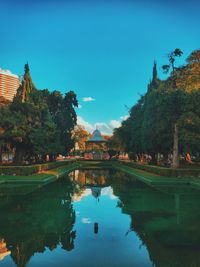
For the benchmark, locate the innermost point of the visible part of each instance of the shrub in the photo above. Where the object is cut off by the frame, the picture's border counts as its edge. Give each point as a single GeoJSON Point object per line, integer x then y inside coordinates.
{"type": "Point", "coordinates": [163, 171]}
{"type": "Point", "coordinates": [31, 169]}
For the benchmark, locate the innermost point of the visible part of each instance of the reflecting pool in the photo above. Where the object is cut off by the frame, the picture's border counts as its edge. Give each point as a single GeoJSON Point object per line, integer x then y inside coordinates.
{"type": "Point", "coordinates": [95, 218]}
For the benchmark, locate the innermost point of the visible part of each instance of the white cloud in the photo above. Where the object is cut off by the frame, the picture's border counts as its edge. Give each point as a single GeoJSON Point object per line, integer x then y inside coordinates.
{"type": "Point", "coordinates": [88, 99]}
{"type": "Point", "coordinates": [86, 220]}
{"type": "Point", "coordinates": [105, 128]}
{"type": "Point", "coordinates": [123, 118]}
{"type": "Point", "coordinates": [115, 124]}
{"type": "Point", "coordinates": [113, 197]}
{"type": "Point", "coordinates": [89, 127]}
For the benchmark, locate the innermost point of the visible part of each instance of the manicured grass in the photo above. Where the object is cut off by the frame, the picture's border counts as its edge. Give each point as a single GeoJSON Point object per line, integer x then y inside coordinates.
{"type": "Point", "coordinates": [164, 171]}
{"type": "Point", "coordinates": [154, 179]}
{"type": "Point", "coordinates": [142, 175]}
{"type": "Point", "coordinates": [44, 177]}
{"type": "Point", "coordinates": [31, 169]}
{"type": "Point", "coordinates": [89, 164]}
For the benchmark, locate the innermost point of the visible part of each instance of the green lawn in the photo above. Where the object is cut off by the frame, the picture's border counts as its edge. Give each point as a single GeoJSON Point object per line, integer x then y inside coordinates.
{"type": "Point", "coordinates": [155, 179]}
{"type": "Point", "coordinates": [145, 176]}
{"type": "Point", "coordinates": [42, 177]}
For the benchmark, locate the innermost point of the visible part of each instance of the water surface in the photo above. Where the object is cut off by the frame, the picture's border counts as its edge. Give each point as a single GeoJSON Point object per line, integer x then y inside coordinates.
{"type": "Point", "coordinates": [99, 218]}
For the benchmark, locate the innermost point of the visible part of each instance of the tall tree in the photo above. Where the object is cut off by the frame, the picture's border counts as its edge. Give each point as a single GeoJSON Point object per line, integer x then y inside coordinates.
{"type": "Point", "coordinates": [80, 136]}
{"type": "Point", "coordinates": [154, 83]}
{"type": "Point", "coordinates": [166, 68]}
{"type": "Point", "coordinates": [189, 75]}
{"type": "Point", "coordinates": [64, 116]}
{"type": "Point", "coordinates": [38, 122]}
{"type": "Point", "coordinates": [26, 86]}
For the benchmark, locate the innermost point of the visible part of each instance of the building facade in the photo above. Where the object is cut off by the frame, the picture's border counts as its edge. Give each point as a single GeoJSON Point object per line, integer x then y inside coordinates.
{"type": "Point", "coordinates": [9, 83]}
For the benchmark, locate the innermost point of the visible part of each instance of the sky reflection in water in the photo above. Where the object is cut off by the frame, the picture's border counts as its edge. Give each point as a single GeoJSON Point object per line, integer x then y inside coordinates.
{"type": "Point", "coordinates": [100, 218]}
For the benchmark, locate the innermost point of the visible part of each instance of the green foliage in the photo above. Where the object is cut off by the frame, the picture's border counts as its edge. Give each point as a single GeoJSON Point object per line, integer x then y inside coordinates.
{"type": "Point", "coordinates": [168, 172]}
{"type": "Point", "coordinates": [28, 170]}
{"type": "Point", "coordinates": [150, 127]}
{"type": "Point", "coordinates": [38, 123]}
{"type": "Point", "coordinates": [172, 56]}
{"type": "Point", "coordinates": [38, 221]}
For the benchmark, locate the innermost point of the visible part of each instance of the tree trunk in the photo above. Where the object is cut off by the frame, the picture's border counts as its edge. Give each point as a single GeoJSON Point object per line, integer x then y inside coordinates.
{"type": "Point", "coordinates": [175, 159]}
{"type": "Point", "coordinates": [19, 154]}
{"type": "Point", "coordinates": [153, 158]}
{"type": "Point", "coordinates": [44, 158]}
{"type": "Point", "coordinates": [1, 156]}
{"type": "Point", "coordinates": [52, 157]}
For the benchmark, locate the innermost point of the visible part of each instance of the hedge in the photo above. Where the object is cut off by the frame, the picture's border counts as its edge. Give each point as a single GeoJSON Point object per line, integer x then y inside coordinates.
{"type": "Point", "coordinates": [163, 171]}
{"type": "Point", "coordinates": [31, 169]}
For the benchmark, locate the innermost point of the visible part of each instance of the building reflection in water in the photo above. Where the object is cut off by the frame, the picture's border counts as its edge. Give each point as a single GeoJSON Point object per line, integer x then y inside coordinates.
{"type": "Point", "coordinates": [87, 182]}
{"type": "Point", "coordinates": [89, 177]}
{"type": "Point", "coordinates": [3, 250]}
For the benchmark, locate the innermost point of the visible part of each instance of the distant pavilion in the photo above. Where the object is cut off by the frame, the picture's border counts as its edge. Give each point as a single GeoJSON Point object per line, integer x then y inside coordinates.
{"type": "Point", "coordinates": [96, 147]}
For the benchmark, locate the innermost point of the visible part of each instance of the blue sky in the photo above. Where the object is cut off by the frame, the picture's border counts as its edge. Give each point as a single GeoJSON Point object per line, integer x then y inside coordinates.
{"type": "Point", "coordinates": [103, 50]}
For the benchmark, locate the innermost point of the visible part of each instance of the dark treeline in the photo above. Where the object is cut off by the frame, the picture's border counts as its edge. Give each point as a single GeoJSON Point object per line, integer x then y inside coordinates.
{"type": "Point", "coordinates": [166, 120]}
{"type": "Point", "coordinates": [37, 123]}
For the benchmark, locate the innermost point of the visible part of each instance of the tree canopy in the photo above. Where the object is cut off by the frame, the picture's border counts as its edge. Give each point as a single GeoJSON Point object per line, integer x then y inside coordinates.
{"type": "Point", "coordinates": [38, 122]}
{"type": "Point", "coordinates": [166, 104]}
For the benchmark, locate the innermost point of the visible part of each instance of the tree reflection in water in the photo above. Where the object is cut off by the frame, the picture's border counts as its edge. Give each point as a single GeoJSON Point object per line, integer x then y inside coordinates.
{"type": "Point", "coordinates": [37, 221]}
{"type": "Point", "coordinates": [166, 220]}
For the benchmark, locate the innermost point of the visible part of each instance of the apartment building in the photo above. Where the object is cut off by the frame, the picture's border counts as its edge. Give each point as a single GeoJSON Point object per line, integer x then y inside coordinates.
{"type": "Point", "coordinates": [9, 83]}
